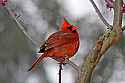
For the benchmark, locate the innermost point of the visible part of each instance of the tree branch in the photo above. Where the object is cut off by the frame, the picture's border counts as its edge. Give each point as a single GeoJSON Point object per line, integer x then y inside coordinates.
{"type": "Point", "coordinates": [117, 23]}
{"type": "Point", "coordinates": [109, 38]}
{"type": "Point", "coordinates": [20, 26]}
{"type": "Point", "coordinates": [100, 15]}
{"type": "Point", "coordinates": [73, 65]}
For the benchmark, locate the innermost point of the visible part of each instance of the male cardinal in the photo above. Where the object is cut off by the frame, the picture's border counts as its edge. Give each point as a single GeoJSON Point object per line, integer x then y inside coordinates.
{"type": "Point", "coordinates": [61, 45]}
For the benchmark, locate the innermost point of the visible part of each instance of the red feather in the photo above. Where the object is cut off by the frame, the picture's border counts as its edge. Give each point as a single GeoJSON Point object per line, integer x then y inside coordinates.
{"type": "Point", "coordinates": [61, 45]}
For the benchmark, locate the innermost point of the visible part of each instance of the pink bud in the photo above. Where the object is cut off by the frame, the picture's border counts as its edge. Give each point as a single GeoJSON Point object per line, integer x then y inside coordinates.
{"type": "Point", "coordinates": [109, 3]}
{"type": "Point", "coordinates": [123, 8]}
{"type": "Point", "coordinates": [3, 2]}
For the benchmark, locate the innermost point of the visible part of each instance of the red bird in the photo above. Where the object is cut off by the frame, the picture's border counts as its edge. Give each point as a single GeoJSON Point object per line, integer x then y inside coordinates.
{"type": "Point", "coordinates": [61, 45]}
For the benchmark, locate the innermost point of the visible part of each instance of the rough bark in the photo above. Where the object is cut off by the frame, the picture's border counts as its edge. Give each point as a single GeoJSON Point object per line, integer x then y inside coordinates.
{"type": "Point", "coordinates": [109, 38]}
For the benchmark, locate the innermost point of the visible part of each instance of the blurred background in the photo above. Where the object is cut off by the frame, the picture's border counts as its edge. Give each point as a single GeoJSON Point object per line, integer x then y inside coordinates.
{"type": "Point", "coordinates": [40, 19]}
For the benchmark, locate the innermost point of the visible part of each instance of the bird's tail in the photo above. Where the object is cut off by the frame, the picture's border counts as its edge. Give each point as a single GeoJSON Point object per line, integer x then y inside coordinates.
{"type": "Point", "coordinates": [36, 62]}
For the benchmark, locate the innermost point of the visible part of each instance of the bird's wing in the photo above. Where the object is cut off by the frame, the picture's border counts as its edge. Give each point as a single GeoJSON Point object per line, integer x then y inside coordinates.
{"type": "Point", "coordinates": [57, 39]}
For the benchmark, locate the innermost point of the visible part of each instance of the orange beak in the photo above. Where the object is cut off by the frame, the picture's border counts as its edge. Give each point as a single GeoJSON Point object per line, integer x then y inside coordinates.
{"type": "Point", "coordinates": [74, 28]}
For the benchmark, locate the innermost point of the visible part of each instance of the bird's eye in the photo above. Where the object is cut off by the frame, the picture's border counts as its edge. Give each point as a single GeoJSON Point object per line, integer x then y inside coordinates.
{"type": "Point", "coordinates": [74, 31]}
{"type": "Point", "coordinates": [70, 27]}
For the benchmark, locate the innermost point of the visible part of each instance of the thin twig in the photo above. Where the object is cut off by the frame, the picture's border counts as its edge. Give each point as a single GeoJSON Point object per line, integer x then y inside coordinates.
{"type": "Point", "coordinates": [20, 26]}
{"type": "Point", "coordinates": [60, 73]}
{"type": "Point", "coordinates": [73, 65]}
{"type": "Point", "coordinates": [100, 15]}
{"type": "Point", "coordinates": [77, 68]}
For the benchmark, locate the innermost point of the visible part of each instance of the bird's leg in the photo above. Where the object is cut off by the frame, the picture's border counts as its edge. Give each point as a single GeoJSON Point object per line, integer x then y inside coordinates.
{"type": "Point", "coordinates": [66, 59]}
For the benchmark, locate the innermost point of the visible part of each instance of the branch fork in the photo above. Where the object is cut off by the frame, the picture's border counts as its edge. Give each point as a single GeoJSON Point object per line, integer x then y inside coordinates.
{"type": "Point", "coordinates": [111, 36]}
